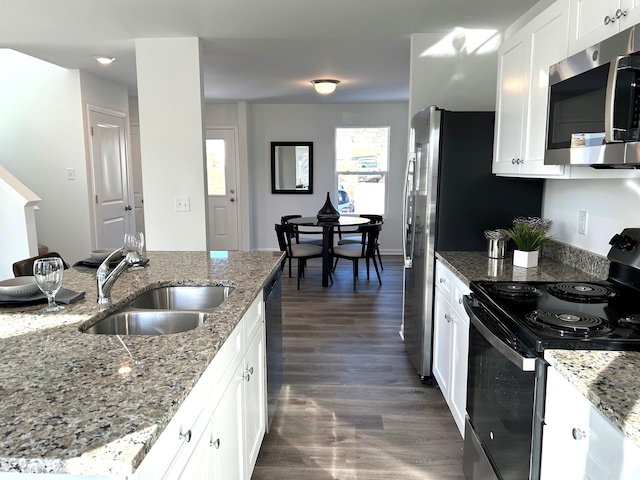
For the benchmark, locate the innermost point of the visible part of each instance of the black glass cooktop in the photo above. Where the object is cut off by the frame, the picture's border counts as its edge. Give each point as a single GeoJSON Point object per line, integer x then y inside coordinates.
{"type": "Point", "coordinates": [565, 315]}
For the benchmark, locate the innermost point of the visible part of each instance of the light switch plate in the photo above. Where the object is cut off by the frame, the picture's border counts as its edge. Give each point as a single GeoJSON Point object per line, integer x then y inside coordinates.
{"type": "Point", "coordinates": [71, 173]}
{"type": "Point", "coordinates": [183, 204]}
{"type": "Point", "coordinates": [582, 222]}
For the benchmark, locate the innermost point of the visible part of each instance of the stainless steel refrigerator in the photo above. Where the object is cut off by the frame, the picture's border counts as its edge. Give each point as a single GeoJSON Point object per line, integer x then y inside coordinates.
{"type": "Point", "coordinates": [451, 198]}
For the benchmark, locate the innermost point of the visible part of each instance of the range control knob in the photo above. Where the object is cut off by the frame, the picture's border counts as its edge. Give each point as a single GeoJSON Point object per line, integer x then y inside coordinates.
{"type": "Point", "coordinates": [623, 242]}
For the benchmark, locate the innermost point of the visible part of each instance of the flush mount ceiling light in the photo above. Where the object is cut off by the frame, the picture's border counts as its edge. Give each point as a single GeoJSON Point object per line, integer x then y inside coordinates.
{"type": "Point", "coordinates": [104, 59]}
{"type": "Point", "coordinates": [325, 86]}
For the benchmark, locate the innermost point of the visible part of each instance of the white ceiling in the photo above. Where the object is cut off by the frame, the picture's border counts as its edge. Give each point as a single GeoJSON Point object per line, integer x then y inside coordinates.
{"type": "Point", "coordinates": [261, 51]}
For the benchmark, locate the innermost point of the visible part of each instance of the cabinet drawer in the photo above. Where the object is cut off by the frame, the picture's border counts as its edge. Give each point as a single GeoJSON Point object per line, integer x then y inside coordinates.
{"type": "Point", "coordinates": [224, 365]}
{"type": "Point", "coordinates": [253, 319]}
{"type": "Point", "coordinates": [459, 291]}
{"type": "Point", "coordinates": [444, 280]}
{"type": "Point", "coordinates": [173, 447]}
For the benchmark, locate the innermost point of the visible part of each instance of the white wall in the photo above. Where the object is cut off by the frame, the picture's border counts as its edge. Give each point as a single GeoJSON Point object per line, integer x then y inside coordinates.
{"type": "Point", "coordinates": [461, 78]}
{"type": "Point", "coordinates": [317, 123]}
{"type": "Point", "coordinates": [42, 136]}
{"type": "Point", "coordinates": [170, 105]}
{"type": "Point", "coordinates": [611, 205]}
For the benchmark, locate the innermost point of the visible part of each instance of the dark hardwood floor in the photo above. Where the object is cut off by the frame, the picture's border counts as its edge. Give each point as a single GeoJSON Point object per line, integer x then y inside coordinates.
{"type": "Point", "coordinates": [352, 406]}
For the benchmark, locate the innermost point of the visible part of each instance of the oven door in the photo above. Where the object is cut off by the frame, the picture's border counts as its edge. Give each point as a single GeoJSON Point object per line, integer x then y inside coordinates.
{"type": "Point", "coordinates": [500, 401]}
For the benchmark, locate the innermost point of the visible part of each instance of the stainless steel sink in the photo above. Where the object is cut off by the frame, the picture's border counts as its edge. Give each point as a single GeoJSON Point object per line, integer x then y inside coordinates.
{"type": "Point", "coordinates": [182, 297]}
{"type": "Point", "coordinates": [147, 322]}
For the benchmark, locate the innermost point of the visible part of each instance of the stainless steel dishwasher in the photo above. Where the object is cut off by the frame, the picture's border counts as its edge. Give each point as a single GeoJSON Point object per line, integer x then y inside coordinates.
{"type": "Point", "coordinates": [273, 323]}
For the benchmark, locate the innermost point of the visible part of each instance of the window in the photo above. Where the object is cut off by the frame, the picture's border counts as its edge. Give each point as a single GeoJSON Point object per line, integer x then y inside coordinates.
{"type": "Point", "coordinates": [362, 159]}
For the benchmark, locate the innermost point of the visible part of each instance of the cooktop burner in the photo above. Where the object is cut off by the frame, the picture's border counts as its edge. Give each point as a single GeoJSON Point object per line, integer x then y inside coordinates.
{"type": "Point", "coordinates": [581, 292]}
{"type": "Point", "coordinates": [567, 322]}
{"type": "Point", "coordinates": [566, 315]}
{"type": "Point", "coordinates": [515, 290]}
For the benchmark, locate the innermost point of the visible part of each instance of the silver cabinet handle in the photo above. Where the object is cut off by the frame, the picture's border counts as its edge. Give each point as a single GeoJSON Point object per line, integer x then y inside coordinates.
{"type": "Point", "coordinates": [447, 317]}
{"type": "Point", "coordinates": [620, 13]}
{"type": "Point", "coordinates": [460, 300]}
{"type": "Point", "coordinates": [186, 436]}
{"type": "Point", "coordinates": [442, 280]}
{"type": "Point", "coordinates": [215, 443]}
{"type": "Point", "coordinates": [578, 434]}
{"type": "Point", "coordinates": [247, 374]}
{"type": "Point", "coordinates": [232, 199]}
{"type": "Point", "coordinates": [608, 20]}
{"type": "Point", "coordinates": [513, 161]}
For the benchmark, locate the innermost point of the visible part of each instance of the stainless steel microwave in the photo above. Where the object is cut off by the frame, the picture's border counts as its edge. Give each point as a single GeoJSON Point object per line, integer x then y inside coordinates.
{"type": "Point", "coordinates": [594, 105]}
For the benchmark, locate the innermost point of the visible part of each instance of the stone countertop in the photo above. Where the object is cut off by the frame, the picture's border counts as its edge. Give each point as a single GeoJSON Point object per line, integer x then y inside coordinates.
{"type": "Point", "coordinates": [470, 266]}
{"type": "Point", "coordinates": [607, 379]}
{"type": "Point", "coordinates": [79, 403]}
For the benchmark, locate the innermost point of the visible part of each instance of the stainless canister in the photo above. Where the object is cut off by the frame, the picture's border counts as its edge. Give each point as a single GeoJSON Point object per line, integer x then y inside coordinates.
{"type": "Point", "coordinates": [497, 248]}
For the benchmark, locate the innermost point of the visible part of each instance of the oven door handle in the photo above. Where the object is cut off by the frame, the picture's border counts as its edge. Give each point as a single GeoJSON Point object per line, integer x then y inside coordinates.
{"type": "Point", "coordinates": [525, 361]}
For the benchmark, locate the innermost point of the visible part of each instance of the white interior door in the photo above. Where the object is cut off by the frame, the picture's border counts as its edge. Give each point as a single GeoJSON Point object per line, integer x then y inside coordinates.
{"type": "Point", "coordinates": [136, 170]}
{"type": "Point", "coordinates": [112, 205]}
{"type": "Point", "coordinates": [222, 158]}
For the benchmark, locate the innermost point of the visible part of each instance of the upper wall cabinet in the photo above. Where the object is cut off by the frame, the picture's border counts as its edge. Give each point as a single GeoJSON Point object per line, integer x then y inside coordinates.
{"type": "Point", "coordinates": [594, 20]}
{"type": "Point", "coordinates": [521, 109]}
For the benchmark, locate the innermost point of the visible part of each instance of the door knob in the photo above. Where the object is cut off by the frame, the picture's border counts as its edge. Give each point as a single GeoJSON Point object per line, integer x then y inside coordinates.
{"type": "Point", "coordinates": [232, 199]}
{"type": "Point", "coordinates": [127, 208]}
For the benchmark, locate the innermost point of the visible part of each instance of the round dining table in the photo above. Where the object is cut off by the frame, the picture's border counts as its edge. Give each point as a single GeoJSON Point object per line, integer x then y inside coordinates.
{"type": "Point", "coordinates": [327, 236]}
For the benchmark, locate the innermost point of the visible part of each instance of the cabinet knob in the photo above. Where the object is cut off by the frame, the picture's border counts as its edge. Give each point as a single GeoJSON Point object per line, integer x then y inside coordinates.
{"type": "Point", "coordinates": [578, 434]}
{"type": "Point", "coordinates": [186, 436]}
{"type": "Point", "coordinates": [608, 20]}
{"type": "Point", "coordinates": [247, 374]}
{"type": "Point", "coordinates": [513, 161]}
{"type": "Point", "coordinates": [441, 280]}
{"type": "Point", "coordinates": [215, 443]}
{"type": "Point", "coordinates": [620, 13]}
{"type": "Point", "coordinates": [447, 317]}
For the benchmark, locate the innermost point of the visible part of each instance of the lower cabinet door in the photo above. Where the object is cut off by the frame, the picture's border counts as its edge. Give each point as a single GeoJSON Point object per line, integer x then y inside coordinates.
{"type": "Point", "coordinates": [226, 433]}
{"type": "Point", "coordinates": [255, 398]}
{"type": "Point", "coordinates": [442, 331]}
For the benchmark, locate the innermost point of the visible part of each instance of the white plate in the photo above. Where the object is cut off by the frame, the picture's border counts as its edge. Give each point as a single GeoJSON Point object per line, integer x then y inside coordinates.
{"type": "Point", "coordinates": [19, 287]}
{"type": "Point", "coordinates": [100, 254]}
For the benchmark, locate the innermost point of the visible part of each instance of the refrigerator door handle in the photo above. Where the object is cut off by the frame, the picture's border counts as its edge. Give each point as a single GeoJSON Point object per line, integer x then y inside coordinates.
{"type": "Point", "coordinates": [408, 259]}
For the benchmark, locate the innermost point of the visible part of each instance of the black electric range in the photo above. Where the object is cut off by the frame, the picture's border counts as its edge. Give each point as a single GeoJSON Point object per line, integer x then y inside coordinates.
{"type": "Point", "coordinates": [511, 324]}
{"type": "Point", "coordinates": [564, 315]}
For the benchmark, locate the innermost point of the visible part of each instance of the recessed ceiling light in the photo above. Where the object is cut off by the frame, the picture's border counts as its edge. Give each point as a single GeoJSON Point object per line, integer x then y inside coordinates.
{"type": "Point", "coordinates": [325, 86]}
{"type": "Point", "coordinates": [103, 59]}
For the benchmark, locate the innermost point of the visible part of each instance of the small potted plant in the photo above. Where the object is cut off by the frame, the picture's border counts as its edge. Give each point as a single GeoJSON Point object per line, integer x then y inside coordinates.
{"type": "Point", "coordinates": [529, 234]}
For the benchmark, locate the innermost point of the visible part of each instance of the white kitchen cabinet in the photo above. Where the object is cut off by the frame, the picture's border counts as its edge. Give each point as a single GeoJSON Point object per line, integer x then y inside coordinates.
{"type": "Point", "coordinates": [522, 93]}
{"type": "Point", "coordinates": [217, 432]}
{"type": "Point", "coordinates": [579, 442]}
{"type": "Point", "coordinates": [451, 342]}
{"type": "Point", "coordinates": [254, 395]}
{"type": "Point", "coordinates": [595, 20]}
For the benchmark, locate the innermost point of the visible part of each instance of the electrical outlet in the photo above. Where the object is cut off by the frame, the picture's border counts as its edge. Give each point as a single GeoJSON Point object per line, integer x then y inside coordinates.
{"type": "Point", "coordinates": [582, 222]}
{"type": "Point", "coordinates": [182, 204]}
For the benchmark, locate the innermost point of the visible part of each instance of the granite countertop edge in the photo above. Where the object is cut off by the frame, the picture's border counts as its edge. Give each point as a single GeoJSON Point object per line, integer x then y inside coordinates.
{"type": "Point", "coordinates": [605, 378]}
{"type": "Point", "coordinates": [76, 403]}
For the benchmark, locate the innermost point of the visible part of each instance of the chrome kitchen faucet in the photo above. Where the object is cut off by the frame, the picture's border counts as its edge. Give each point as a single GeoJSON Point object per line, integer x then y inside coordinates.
{"type": "Point", "coordinates": [105, 278]}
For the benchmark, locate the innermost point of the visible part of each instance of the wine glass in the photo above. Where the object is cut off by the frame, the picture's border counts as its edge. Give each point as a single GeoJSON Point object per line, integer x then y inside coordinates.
{"type": "Point", "coordinates": [48, 274]}
{"type": "Point", "coordinates": [133, 244]}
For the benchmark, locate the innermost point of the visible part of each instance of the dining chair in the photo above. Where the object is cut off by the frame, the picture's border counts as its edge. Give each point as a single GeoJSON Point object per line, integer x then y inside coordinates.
{"type": "Point", "coordinates": [365, 249]}
{"type": "Point", "coordinates": [313, 241]}
{"type": "Point", "coordinates": [24, 268]}
{"type": "Point", "coordinates": [299, 251]}
{"type": "Point", "coordinates": [358, 237]}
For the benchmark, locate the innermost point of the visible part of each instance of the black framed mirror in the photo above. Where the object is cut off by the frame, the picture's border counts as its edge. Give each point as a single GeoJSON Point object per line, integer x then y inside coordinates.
{"type": "Point", "coordinates": [292, 167]}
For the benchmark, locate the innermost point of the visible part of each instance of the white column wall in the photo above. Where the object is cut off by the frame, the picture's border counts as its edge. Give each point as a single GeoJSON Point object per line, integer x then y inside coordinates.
{"type": "Point", "coordinates": [170, 103]}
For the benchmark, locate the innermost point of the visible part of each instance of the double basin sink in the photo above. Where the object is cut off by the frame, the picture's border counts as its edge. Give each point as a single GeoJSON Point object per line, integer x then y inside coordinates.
{"type": "Point", "coordinates": [162, 311]}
